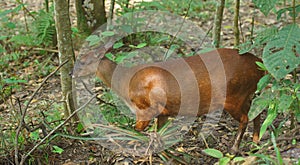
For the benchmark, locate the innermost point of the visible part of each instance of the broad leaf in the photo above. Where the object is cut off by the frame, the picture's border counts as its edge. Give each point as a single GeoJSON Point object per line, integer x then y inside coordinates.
{"type": "Point", "coordinates": [272, 114]}
{"type": "Point", "coordinates": [213, 153]}
{"type": "Point", "coordinates": [127, 28]}
{"type": "Point", "coordinates": [263, 37]}
{"type": "Point", "coordinates": [224, 161]}
{"type": "Point", "coordinates": [265, 6]}
{"type": "Point", "coordinates": [57, 149]}
{"type": "Point", "coordinates": [279, 56]}
{"type": "Point", "coordinates": [118, 45]}
{"type": "Point", "coordinates": [289, 10]}
{"type": "Point", "coordinates": [285, 102]}
{"type": "Point", "coordinates": [261, 66]}
{"type": "Point", "coordinates": [93, 40]}
{"type": "Point", "coordinates": [238, 159]}
{"type": "Point", "coordinates": [141, 45]}
{"type": "Point", "coordinates": [260, 103]}
{"type": "Point", "coordinates": [263, 82]}
{"type": "Point", "coordinates": [108, 33]}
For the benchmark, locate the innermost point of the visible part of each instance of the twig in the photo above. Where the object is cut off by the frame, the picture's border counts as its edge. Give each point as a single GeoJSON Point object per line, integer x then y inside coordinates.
{"type": "Point", "coordinates": [45, 49]}
{"type": "Point", "coordinates": [56, 128]}
{"type": "Point", "coordinates": [25, 110]}
{"type": "Point", "coordinates": [20, 109]}
{"type": "Point", "coordinates": [25, 9]}
{"type": "Point", "coordinates": [288, 138]}
{"type": "Point", "coordinates": [41, 49]}
{"type": "Point", "coordinates": [91, 93]}
{"type": "Point", "coordinates": [199, 47]}
{"type": "Point", "coordinates": [180, 27]}
{"type": "Point", "coordinates": [203, 138]}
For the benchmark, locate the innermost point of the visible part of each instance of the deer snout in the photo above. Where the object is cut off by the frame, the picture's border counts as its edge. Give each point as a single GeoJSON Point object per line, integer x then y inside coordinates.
{"type": "Point", "coordinates": [141, 125]}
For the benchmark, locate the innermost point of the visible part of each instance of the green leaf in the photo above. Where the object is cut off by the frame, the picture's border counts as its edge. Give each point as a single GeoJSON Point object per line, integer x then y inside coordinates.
{"type": "Point", "coordinates": [213, 153]}
{"type": "Point", "coordinates": [162, 131]}
{"type": "Point", "coordinates": [22, 39]}
{"type": "Point", "coordinates": [80, 127]}
{"type": "Point", "coordinates": [57, 149]}
{"type": "Point", "coordinates": [13, 81]}
{"type": "Point", "coordinates": [224, 161]}
{"type": "Point", "coordinates": [118, 45]}
{"type": "Point", "coordinates": [245, 47]}
{"type": "Point", "coordinates": [263, 82]}
{"type": "Point", "coordinates": [266, 35]}
{"type": "Point", "coordinates": [285, 102]}
{"type": "Point", "coordinates": [263, 36]}
{"type": "Point", "coordinates": [141, 45]}
{"type": "Point", "coordinates": [131, 55]}
{"type": "Point", "coordinates": [238, 159]}
{"type": "Point", "coordinates": [170, 51]}
{"type": "Point", "coordinates": [74, 30]}
{"type": "Point", "coordinates": [127, 28]}
{"type": "Point", "coordinates": [3, 37]}
{"type": "Point", "coordinates": [272, 114]}
{"type": "Point", "coordinates": [264, 157]}
{"type": "Point", "coordinates": [44, 28]}
{"type": "Point", "coordinates": [109, 56]}
{"type": "Point", "coordinates": [260, 103]}
{"type": "Point", "coordinates": [277, 151]}
{"type": "Point", "coordinates": [11, 25]}
{"type": "Point", "coordinates": [5, 12]}
{"type": "Point", "coordinates": [108, 33]}
{"type": "Point", "coordinates": [261, 66]}
{"type": "Point", "coordinates": [132, 46]}
{"type": "Point", "coordinates": [265, 6]}
{"type": "Point", "coordinates": [93, 40]}
{"type": "Point", "coordinates": [297, 110]}
{"type": "Point", "coordinates": [124, 56]}
{"type": "Point", "coordinates": [34, 135]}
{"type": "Point", "coordinates": [279, 56]}
{"type": "Point", "coordinates": [289, 10]}
{"type": "Point", "coordinates": [160, 39]}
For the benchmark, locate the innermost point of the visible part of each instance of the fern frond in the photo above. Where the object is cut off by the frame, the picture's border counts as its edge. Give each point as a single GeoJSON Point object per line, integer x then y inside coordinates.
{"type": "Point", "coordinates": [44, 28]}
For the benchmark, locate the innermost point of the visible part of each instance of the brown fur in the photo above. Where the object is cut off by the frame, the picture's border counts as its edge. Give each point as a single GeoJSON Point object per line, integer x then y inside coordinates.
{"type": "Point", "coordinates": [157, 90]}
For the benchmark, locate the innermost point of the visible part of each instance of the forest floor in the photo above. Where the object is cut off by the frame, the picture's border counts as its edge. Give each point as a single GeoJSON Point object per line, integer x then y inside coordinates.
{"type": "Point", "coordinates": [90, 152]}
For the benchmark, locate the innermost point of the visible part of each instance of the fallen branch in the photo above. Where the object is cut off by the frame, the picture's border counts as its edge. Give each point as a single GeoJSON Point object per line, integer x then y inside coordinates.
{"type": "Point", "coordinates": [24, 157]}
{"type": "Point", "coordinates": [23, 113]}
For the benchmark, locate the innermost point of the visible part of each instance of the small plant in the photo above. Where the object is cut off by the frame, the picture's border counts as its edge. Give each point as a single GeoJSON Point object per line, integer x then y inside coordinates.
{"type": "Point", "coordinates": [223, 160]}
{"type": "Point", "coordinates": [115, 115]}
{"type": "Point", "coordinates": [280, 56]}
{"type": "Point", "coordinates": [8, 85]}
{"type": "Point", "coordinates": [57, 149]}
{"type": "Point", "coordinates": [280, 88]}
{"type": "Point", "coordinates": [266, 158]}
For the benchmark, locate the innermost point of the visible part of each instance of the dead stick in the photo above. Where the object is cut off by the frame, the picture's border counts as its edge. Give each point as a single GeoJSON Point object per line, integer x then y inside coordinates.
{"type": "Point", "coordinates": [25, 110]}
{"type": "Point", "coordinates": [56, 128]}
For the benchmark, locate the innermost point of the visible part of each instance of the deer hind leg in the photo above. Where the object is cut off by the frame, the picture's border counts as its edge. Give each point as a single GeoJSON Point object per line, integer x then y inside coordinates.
{"type": "Point", "coordinates": [256, 129]}
{"type": "Point", "coordinates": [240, 133]}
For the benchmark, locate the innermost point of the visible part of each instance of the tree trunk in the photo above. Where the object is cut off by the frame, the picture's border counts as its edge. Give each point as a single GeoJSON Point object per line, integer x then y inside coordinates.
{"type": "Point", "coordinates": [99, 13]}
{"type": "Point", "coordinates": [65, 48]}
{"type": "Point", "coordinates": [82, 24]}
{"type": "Point", "coordinates": [236, 30]}
{"type": "Point", "coordinates": [218, 24]}
{"type": "Point", "coordinates": [111, 13]}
